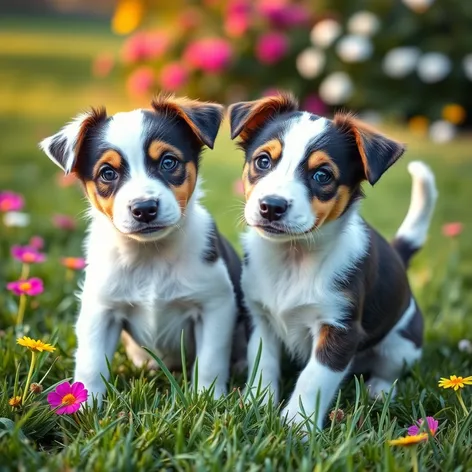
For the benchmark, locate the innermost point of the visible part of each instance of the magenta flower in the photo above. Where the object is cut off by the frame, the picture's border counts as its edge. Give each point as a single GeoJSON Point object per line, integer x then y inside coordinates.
{"type": "Point", "coordinates": [284, 16]}
{"type": "Point", "coordinates": [430, 421]}
{"type": "Point", "coordinates": [73, 263]}
{"type": "Point", "coordinates": [238, 17]}
{"type": "Point", "coordinates": [68, 397]}
{"type": "Point", "coordinates": [27, 254]}
{"type": "Point", "coordinates": [173, 76]}
{"type": "Point", "coordinates": [141, 81]}
{"type": "Point", "coordinates": [33, 286]}
{"type": "Point", "coordinates": [36, 242]}
{"type": "Point", "coordinates": [271, 47]}
{"type": "Point", "coordinates": [145, 46]}
{"type": "Point", "coordinates": [314, 104]}
{"type": "Point", "coordinates": [209, 54]}
{"type": "Point", "coordinates": [64, 222]}
{"type": "Point", "coordinates": [11, 201]}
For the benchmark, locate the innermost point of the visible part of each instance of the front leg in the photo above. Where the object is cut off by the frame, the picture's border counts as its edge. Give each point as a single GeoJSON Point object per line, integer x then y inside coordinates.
{"type": "Point", "coordinates": [97, 333]}
{"type": "Point", "coordinates": [319, 381]}
{"type": "Point", "coordinates": [213, 337]}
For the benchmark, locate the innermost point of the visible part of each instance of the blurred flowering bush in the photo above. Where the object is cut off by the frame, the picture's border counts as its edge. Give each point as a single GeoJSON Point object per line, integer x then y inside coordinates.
{"type": "Point", "coordinates": [409, 58]}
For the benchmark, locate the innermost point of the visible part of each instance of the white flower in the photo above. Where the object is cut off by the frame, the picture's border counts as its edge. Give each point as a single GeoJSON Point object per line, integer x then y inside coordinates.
{"type": "Point", "coordinates": [325, 32]}
{"type": "Point", "coordinates": [399, 62]}
{"type": "Point", "coordinates": [467, 65]}
{"type": "Point", "coordinates": [442, 131]}
{"type": "Point", "coordinates": [418, 5]}
{"type": "Point", "coordinates": [16, 219]}
{"type": "Point", "coordinates": [310, 63]}
{"type": "Point", "coordinates": [336, 89]}
{"type": "Point", "coordinates": [354, 48]}
{"type": "Point", "coordinates": [433, 67]}
{"type": "Point", "coordinates": [364, 23]}
{"type": "Point", "coordinates": [465, 346]}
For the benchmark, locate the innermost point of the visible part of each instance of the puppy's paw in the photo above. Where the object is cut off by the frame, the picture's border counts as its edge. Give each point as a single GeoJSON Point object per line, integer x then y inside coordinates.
{"type": "Point", "coordinates": [378, 386]}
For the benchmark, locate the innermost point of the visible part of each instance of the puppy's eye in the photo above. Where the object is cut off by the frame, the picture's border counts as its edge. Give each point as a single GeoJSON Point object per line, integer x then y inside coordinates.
{"type": "Point", "coordinates": [169, 162]}
{"type": "Point", "coordinates": [263, 161]}
{"type": "Point", "coordinates": [108, 174]}
{"type": "Point", "coordinates": [323, 176]}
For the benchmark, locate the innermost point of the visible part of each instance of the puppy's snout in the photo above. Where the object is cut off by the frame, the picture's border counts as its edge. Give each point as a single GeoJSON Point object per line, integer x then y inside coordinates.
{"type": "Point", "coordinates": [272, 208]}
{"type": "Point", "coordinates": [145, 211]}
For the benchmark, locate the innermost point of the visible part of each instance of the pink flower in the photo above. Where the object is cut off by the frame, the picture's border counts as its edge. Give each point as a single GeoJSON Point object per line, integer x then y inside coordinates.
{"type": "Point", "coordinates": [209, 54]}
{"type": "Point", "coordinates": [430, 421]}
{"type": "Point", "coordinates": [145, 46]}
{"type": "Point", "coordinates": [173, 76]}
{"type": "Point", "coordinates": [64, 222]}
{"type": "Point", "coordinates": [141, 81]}
{"type": "Point", "coordinates": [314, 104]}
{"type": "Point", "coordinates": [238, 187]}
{"type": "Point", "coordinates": [68, 397]}
{"type": "Point", "coordinates": [27, 254]}
{"type": "Point", "coordinates": [73, 263]}
{"type": "Point", "coordinates": [452, 230]}
{"type": "Point", "coordinates": [36, 242]}
{"type": "Point", "coordinates": [190, 18]}
{"type": "Point", "coordinates": [66, 180]}
{"type": "Point", "coordinates": [282, 15]}
{"type": "Point", "coordinates": [271, 47]}
{"type": "Point", "coordinates": [33, 286]}
{"type": "Point", "coordinates": [11, 201]}
{"type": "Point", "coordinates": [102, 65]}
{"type": "Point", "coordinates": [237, 18]}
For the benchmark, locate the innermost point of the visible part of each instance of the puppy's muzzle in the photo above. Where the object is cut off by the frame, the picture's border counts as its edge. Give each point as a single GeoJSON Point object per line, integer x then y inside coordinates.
{"type": "Point", "coordinates": [272, 207]}
{"type": "Point", "coordinates": [145, 211]}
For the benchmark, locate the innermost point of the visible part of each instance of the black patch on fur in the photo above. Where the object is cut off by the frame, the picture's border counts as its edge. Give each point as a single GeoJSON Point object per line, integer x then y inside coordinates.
{"type": "Point", "coordinates": [58, 150]}
{"type": "Point", "coordinates": [211, 254]}
{"type": "Point", "coordinates": [414, 330]}
{"type": "Point", "coordinates": [404, 249]}
{"type": "Point", "coordinates": [246, 258]}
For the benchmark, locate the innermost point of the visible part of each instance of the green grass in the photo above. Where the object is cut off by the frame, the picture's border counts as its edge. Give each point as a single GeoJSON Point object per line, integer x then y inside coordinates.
{"type": "Point", "coordinates": [148, 422]}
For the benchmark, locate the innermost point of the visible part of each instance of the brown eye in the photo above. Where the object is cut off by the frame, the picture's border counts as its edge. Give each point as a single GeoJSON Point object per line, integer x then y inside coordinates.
{"type": "Point", "coordinates": [323, 176]}
{"type": "Point", "coordinates": [263, 161]}
{"type": "Point", "coordinates": [108, 174]}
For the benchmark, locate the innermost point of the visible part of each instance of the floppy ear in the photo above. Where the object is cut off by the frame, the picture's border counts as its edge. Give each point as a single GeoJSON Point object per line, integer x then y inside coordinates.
{"type": "Point", "coordinates": [63, 147]}
{"type": "Point", "coordinates": [204, 118]}
{"type": "Point", "coordinates": [247, 117]}
{"type": "Point", "coordinates": [376, 151]}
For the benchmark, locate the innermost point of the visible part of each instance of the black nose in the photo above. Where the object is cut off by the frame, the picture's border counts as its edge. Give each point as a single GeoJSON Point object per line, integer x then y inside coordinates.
{"type": "Point", "coordinates": [272, 207]}
{"type": "Point", "coordinates": [144, 211]}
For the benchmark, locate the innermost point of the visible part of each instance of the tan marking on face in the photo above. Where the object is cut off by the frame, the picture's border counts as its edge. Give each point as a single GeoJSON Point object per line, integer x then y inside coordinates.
{"type": "Point", "coordinates": [272, 147]}
{"type": "Point", "coordinates": [110, 157]}
{"type": "Point", "coordinates": [105, 205]}
{"type": "Point", "coordinates": [318, 158]}
{"type": "Point", "coordinates": [184, 192]}
{"type": "Point", "coordinates": [248, 187]}
{"type": "Point", "coordinates": [331, 209]}
{"type": "Point", "coordinates": [158, 148]}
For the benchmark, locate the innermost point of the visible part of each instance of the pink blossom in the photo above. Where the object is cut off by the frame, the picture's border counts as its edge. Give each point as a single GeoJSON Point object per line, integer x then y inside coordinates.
{"type": "Point", "coordinates": [209, 54]}
{"type": "Point", "coordinates": [66, 180]}
{"type": "Point", "coordinates": [238, 187]}
{"type": "Point", "coordinates": [452, 230]}
{"type": "Point", "coordinates": [27, 254]}
{"type": "Point", "coordinates": [64, 222]}
{"type": "Point", "coordinates": [314, 104]}
{"type": "Point", "coordinates": [430, 421]}
{"type": "Point", "coordinates": [102, 65]}
{"type": "Point", "coordinates": [190, 18]}
{"type": "Point", "coordinates": [11, 201]}
{"type": "Point", "coordinates": [36, 242]}
{"type": "Point", "coordinates": [73, 263]}
{"type": "Point", "coordinates": [145, 46]}
{"type": "Point", "coordinates": [271, 47]}
{"type": "Point", "coordinates": [68, 397]}
{"type": "Point", "coordinates": [284, 15]}
{"type": "Point", "coordinates": [33, 286]}
{"type": "Point", "coordinates": [237, 18]}
{"type": "Point", "coordinates": [173, 76]}
{"type": "Point", "coordinates": [140, 82]}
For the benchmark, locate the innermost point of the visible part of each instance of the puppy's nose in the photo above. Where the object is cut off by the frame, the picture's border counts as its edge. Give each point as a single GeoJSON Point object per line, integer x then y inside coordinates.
{"type": "Point", "coordinates": [272, 208]}
{"type": "Point", "coordinates": [144, 211]}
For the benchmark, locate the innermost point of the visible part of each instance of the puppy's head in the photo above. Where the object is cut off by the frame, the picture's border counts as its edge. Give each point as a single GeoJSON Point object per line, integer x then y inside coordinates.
{"type": "Point", "coordinates": [138, 168]}
{"type": "Point", "coordinates": [301, 170]}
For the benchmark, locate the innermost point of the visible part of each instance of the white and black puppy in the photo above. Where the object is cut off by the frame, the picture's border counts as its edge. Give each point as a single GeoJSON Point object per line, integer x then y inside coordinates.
{"type": "Point", "coordinates": [317, 278]}
{"type": "Point", "coordinates": [156, 264]}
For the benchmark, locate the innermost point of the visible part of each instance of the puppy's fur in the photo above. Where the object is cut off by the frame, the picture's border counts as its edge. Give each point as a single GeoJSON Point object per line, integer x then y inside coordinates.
{"type": "Point", "coordinates": [317, 278]}
{"type": "Point", "coordinates": [156, 264]}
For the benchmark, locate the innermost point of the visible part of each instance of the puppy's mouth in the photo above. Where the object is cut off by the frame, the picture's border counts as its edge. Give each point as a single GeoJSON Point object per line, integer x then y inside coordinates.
{"type": "Point", "coordinates": [150, 229]}
{"type": "Point", "coordinates": [271, 229]}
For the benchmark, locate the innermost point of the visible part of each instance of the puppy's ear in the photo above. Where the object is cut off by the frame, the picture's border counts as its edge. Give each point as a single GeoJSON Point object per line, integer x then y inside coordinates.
{"type": "Point", "coordinates": [376, 151]}
{"type": "Point", "coordinates": [247, 117]}
{"type": "Point", "coordinates": [204, 118]}
{"type": "Point", "coordinates": [63, 147]}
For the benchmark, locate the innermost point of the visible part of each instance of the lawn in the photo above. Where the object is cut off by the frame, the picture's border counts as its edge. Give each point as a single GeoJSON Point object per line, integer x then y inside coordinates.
{"type": "Point", "coordinates": [153, 421]}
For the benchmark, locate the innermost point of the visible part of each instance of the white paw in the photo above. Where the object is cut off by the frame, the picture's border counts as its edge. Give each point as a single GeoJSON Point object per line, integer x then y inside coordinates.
{"type": "Point", "coordinates": [376, 386]}
{"type": "Point", "coordinates": [291, 415]}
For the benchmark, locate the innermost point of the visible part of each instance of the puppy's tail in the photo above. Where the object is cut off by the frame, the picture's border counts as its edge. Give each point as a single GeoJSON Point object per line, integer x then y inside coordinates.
{"type": "Point", "coordinates": [412, 233]}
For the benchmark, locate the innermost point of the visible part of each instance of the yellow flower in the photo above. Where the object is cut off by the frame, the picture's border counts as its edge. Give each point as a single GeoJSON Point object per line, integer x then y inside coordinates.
{"type": "Point", "coordinates": [455, 382]}
{"type": "Point", "coordinates": [127, 16]}
{"type": "Point", "coordinates": [409, 440]}
{"type": "Point", "coordinates": [15, 402]}
{"type": "Point", "coordinates": [454, 113]}
{"type": "Point", "coordinates": [35, 345]}
{"type": "Point", "coordinates": [419, 125]}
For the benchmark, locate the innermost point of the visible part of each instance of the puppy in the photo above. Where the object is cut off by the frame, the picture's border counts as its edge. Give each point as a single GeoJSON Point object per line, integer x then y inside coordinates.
{"type": "Point", "coordinates": [156, 264]}
{"type": "Point", "coordinates": [317, 278]}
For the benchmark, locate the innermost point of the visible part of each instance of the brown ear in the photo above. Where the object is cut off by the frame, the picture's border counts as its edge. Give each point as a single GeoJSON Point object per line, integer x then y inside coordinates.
{"type": "Point", "coordinates": [204, 118]}
{"type": "Point", "coordinates": [247, 117]}
{"type": "Point", "coordinates": [376, 151]}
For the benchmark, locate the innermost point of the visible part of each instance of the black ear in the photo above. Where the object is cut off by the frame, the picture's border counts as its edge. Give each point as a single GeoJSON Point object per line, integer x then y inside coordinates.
{"type": "Point", "coordinates": [376, 151]}
{"type": "Point", "coordinates": [204, 118]}
{"type": "Point", "coordinates": [63, 147]}
{"type": "Point", "coordinates": [247, 117]}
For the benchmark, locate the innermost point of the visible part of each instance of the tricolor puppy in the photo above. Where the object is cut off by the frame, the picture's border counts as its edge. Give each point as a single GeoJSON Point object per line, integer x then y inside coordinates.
{"type": "Point", "coordinates": [156, 264]}
{"type": "Point", "coordinates": [317, 278]}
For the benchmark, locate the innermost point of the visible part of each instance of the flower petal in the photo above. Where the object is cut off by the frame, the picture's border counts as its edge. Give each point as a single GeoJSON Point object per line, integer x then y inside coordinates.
{"type": "Point", "coordinates": [63, 389]}
{"type": "Point", "coordinates": [82, 396]}
{"type": "Point", "coordinates": [76, 388]}
{"type": "Point", "coordinates": [54, 399]}
{"type": "Point", "coordinates": [72, 408]}
{"type": "Point", "coordinates": [413, 430]}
